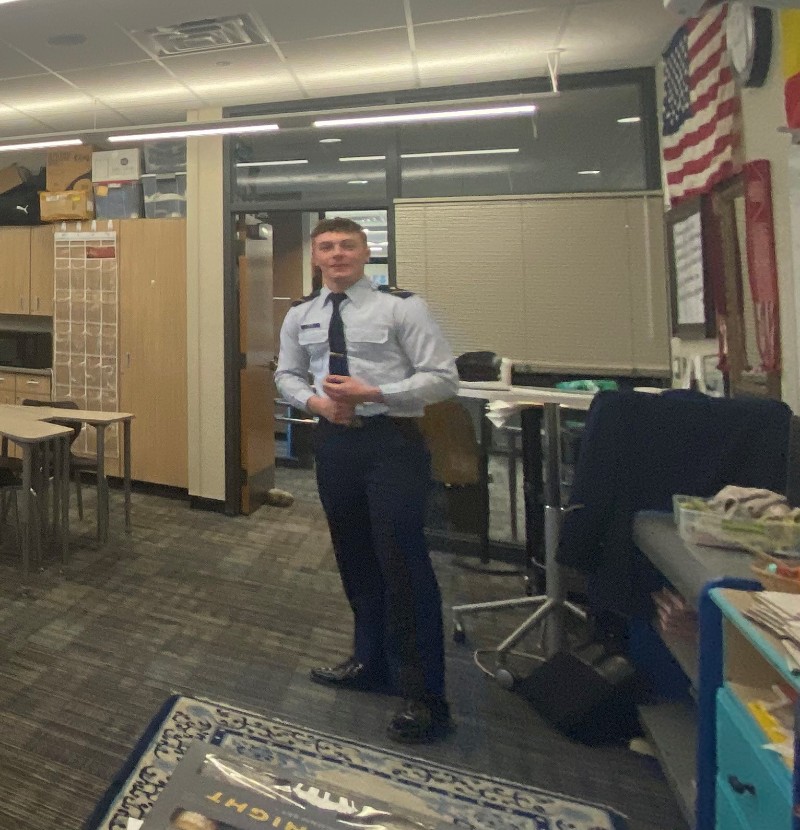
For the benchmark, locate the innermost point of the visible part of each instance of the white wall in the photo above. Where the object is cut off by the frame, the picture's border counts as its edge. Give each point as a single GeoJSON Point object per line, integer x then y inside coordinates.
{"type": "Point", "coordinates": [205, 263]}
{"type": "Point", "coordinates": [763, 114]}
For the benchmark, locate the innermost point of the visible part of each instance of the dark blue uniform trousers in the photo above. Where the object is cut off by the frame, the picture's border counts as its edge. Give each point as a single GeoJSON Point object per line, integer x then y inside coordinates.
{"type": "Point", "coordinates": [374, 481]}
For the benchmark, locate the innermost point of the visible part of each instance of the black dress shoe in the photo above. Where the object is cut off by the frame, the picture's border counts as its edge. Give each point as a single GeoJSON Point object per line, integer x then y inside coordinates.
{"type": "Point", "coordinates": [421, 721]}
{"type": "Point", "coordinates": [351, 675]}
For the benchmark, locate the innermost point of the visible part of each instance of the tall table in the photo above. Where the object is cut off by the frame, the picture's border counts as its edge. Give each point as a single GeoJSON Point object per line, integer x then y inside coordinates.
{"type": "Point", "coordinates": [30, 435]}
{"type": "Point", "coordinates": [541, 464]}
{"type": "Point", "coordinates": [100, 421]}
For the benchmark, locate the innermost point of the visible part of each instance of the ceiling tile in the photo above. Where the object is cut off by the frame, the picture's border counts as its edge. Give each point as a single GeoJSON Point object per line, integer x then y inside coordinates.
{"type": "Point", "coordinates": [285, 22]}
{"type": "Point", "coordinates": [15, 65]}
{"type": "Point", "coordinates": [492, 48]}
{"type": "Point", "coordinates": [254, 73]}
{"type": "Point", "coordinates": [43, 95]}
{"type": "Point", "coordinates": [427, 11]}
{"type": "Point", "coordinates": [616, 34]}
{"type": "Point", "coordinates": [153, 114]}
{"type": "Point", "coordinates": [338, 66]}
{"type": "Point", "coordinates": [27, 27]}
{"type": "Point", "coordinates": [133, 84]}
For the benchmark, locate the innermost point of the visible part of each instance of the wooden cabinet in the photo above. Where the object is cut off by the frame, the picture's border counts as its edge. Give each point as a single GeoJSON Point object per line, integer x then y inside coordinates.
{"type": "Point", "coordinates": [152, 347]}
{"type": "Point", "coordinates": [26, 262]}
{"type": "Point", "coordinates": [42, 267]}
{"type": "Point", "coordinates": [30, 386]}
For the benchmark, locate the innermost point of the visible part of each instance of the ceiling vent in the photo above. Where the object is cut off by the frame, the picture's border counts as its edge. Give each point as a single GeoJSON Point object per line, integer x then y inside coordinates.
{"type": "Point", "coordinates": [207, 35]}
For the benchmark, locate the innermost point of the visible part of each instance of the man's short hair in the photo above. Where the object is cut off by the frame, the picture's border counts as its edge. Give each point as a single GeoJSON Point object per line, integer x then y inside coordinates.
{"type": "Point", "coordinates": [338, 225]}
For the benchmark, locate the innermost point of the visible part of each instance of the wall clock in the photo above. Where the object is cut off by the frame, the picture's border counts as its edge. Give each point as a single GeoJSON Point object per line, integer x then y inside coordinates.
{"type": "Point", "coordinates": [748, 30]}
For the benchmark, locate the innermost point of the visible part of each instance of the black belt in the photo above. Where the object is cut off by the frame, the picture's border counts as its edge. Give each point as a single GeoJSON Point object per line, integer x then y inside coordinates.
{"type": "Point", "coordinates": [408, 427]}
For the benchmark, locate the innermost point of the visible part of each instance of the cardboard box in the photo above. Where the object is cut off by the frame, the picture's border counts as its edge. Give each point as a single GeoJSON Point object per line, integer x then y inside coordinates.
{"type": "Point", "coordinates": [66, 205]}
{"type": "Point", "coordinates": [13, 176]}
{"type": "Point", "coordinates": [117, 165]}
{"type": "Point", "coordinates": [70, 168]}
{"type": "Point", "coordinates": [118, 200]}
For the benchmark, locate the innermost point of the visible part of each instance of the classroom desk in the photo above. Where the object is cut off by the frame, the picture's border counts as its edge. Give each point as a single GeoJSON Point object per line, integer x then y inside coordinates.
{"type": "Point", "coordinates": [539, 409]}
{"type": "Point", "coordinates": [100, 421]}
{"type": "Point", "coordinates": [31, 435]}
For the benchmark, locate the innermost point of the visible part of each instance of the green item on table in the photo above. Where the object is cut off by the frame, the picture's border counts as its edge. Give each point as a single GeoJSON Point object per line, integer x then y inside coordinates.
{"type": "Point", "coordinates": [595, 385]}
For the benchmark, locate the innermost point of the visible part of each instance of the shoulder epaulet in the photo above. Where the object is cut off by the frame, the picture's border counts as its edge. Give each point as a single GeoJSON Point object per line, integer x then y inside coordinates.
{"type": "Point", "coordinates": [395, 291]}
{"type": "Point", "coordinates": [307, 298]}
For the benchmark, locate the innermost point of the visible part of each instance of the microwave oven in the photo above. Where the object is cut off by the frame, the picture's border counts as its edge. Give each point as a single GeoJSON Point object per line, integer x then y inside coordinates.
{"type": "Point", "coordinates": [26, 349]}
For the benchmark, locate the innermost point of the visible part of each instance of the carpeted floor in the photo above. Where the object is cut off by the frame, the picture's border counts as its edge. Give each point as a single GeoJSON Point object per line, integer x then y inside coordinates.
{"type": "Point", "coordinates": [238, 609]}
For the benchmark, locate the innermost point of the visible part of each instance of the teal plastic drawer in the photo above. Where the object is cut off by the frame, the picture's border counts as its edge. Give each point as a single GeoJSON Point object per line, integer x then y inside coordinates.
{"type": "Point", "coordinates": [728, 815]}
{"type": "Point", "coordinates": [755, 779]}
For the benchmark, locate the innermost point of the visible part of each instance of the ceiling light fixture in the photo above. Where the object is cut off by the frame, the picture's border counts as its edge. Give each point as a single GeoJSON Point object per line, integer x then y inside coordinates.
{"type": "Point", "coordinates": [271, 163]}
{"type": "Point", "coordinates": [631, 119]}
{"type": "Point", "coordinates": [191, 132]}
{"type": "Point", "coordinates": [588, 172]}
{"type": "Point", "coordinates": [40, 145]}
{"type": "Point", "coordinates": [330, 141]}
{"type": "Point", "coordinates": [358, 181]}
{"type": "Point", "coordinates": [362, 158]}
{"type": "Point", "coordinates": [412, 117]}
{"type": "Point", "coordinates": [497, 152]}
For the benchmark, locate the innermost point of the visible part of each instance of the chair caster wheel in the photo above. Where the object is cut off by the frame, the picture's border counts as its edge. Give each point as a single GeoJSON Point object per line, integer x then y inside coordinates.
{"type": "Point", "coordinates": [459, 635]}
{"type": "Point", "coordinates": [504, 678]}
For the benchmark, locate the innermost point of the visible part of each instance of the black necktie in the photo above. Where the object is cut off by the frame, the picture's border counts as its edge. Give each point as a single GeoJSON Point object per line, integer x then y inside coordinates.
{"type": "Point", "coordinates": [337, 363]}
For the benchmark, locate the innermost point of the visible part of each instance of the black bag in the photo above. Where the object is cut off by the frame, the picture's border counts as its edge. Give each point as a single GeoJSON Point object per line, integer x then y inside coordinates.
{"type": "Point", "coordinates": [478, 366]}
{"type": "Point", "coordinates": [20, 206]}
{"type": "Point", "coordinates": [591, 698]}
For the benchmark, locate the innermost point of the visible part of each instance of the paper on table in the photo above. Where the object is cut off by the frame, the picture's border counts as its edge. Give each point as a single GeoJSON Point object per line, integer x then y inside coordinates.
{"type": "Point", "coordinates": [134, 824]}
{"type": "Point", "coordinates": [500, 412]}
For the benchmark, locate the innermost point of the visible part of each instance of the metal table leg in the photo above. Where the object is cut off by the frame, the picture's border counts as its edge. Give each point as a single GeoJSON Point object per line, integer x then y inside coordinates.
{"type": "Point", "coordinates": [126, 442]}
{"type": "Point", "coordinates": [102, 485]}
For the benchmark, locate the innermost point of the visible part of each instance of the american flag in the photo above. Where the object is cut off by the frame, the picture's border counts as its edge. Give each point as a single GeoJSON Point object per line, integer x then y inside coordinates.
{"type": "Point", "coordinates": [702, 127]}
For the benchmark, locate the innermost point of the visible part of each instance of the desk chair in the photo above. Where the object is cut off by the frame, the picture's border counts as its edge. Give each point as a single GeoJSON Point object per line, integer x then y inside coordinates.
{"type": "Point", "coordinates": [78, 464]}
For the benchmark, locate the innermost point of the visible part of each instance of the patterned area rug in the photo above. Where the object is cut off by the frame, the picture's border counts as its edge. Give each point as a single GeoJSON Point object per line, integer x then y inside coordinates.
{"type": "Point", "coordinates": [461, 797]}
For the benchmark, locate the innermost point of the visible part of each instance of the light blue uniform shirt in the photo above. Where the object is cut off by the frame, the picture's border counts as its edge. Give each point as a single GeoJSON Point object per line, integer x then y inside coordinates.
{"type": "Point", "coordinates": [393, 343]}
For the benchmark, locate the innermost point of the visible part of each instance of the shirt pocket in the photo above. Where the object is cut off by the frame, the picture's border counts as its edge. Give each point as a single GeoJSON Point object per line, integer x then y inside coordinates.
{"type": "Point", "coordinates": [314, 341]}
{"type": "Point", "coordinates": [367, 342]}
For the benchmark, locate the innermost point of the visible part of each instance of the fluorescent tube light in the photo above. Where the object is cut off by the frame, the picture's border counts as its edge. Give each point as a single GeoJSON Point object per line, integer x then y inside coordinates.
{"type": "Point", "coordinates": [358, 181]}
{"type": "Point", "coordinates": [41, 145]}
{"type": "Point", "coordinates": [362, 158]}
{"type": "Point", "coordinates": [631, 119]}
{"type": "Point", "coordinates": [271, 163]}
{"type": "Point", "coordinates": [190, 132]}
{"type": "Point", "coordinates": [330, 141]}
{"type": "Point", "coordinates": [460, 153]}
{"type": "Point", "coordinates": [410, 117]}
{"type": "Point", "coordinates": [588, 172]}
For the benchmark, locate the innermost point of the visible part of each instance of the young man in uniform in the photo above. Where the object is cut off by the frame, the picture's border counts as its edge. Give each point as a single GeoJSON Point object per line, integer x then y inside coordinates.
{"type": "Point", "coordinates": [376, 358]}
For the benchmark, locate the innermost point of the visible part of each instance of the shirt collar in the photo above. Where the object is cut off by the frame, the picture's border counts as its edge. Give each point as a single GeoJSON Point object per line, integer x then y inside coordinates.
{"type": "Point", "coordinates": [357, 292]}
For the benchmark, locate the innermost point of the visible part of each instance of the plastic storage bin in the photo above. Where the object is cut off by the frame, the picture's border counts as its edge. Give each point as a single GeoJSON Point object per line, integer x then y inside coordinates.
{"type": "Point", "coordinates": [165, 157]}
{"type": "Point", "coordinates": [704, 527]}
{"type": "Point", "coordinates": [164, 195]}
{"type": "Point", "coordinates": [118, 200]}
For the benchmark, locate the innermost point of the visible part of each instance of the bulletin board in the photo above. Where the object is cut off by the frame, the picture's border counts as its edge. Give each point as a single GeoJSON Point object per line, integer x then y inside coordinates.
{"type": "Point", "coordinates": [86, 328]}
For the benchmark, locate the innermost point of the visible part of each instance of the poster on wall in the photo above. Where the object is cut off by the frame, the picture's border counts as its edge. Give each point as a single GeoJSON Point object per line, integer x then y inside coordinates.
{"type": "Point", "coordinates": [692, 312]}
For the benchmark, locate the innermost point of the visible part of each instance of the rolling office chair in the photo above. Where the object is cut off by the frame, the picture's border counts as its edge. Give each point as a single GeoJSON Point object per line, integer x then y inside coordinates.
{"type": "Point", "coordinates": [78, 464]}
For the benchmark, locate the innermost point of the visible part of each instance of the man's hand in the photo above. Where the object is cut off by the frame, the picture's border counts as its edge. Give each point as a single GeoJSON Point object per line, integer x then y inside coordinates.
{"type": "Point", "coordinates": [334, 411]}
{"type": "Point", "coordinates": [350, 390]}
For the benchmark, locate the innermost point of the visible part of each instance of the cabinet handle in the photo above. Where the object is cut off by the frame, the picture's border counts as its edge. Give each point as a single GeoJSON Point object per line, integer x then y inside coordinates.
{"type": "Point", "coordinates": [739, 787]}
{"type": "Point", "coordinates": [128, 359]}
{"type": "Point", "coordinates": [21, 303]}
{"type": "Point", "coordinates": [37, 303]}
{"type": "Point", "coordinates": [33, 382]}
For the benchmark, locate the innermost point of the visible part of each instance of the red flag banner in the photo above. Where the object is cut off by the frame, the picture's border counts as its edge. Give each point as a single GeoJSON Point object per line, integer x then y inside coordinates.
{"type": "Point", "coordinates": [702, 120]}
{"type": "Point", "coordinates": [761, 262]}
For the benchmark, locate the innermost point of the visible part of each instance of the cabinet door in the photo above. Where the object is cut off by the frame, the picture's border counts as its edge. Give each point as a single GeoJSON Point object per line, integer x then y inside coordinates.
{"type": "Point", "coordinates": [42, 270]}
{"type": "Point", "coordinates": [152, 347]}
{"type": "Point", "coordinates": [15, 267]}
